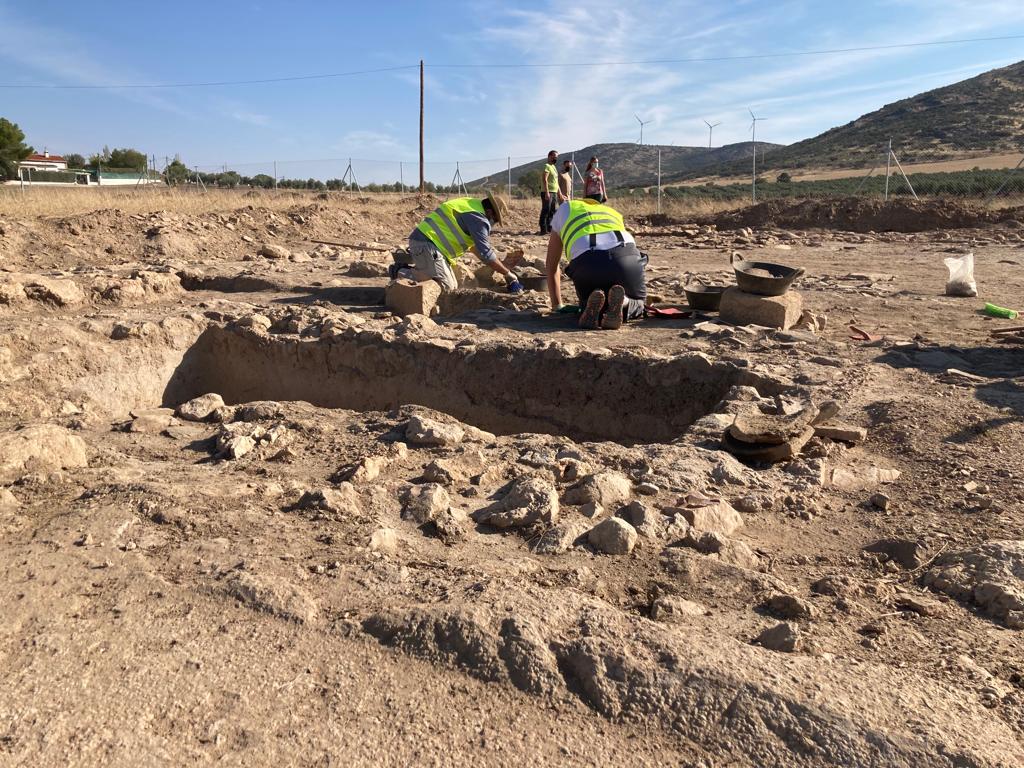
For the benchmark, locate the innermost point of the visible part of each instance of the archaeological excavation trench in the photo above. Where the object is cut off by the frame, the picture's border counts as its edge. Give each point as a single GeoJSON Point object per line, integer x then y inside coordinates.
{"type": "Point", "coordinates": [500, 387]}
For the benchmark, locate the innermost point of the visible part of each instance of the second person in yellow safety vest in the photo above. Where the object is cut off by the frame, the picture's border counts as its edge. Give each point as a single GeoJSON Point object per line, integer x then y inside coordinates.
{"type": "Point", "coordinates": [549, 193]}
{"type": "Point", "coordinates": [455, 227]}
{"type": "Point", "coordinates": [605, 266]}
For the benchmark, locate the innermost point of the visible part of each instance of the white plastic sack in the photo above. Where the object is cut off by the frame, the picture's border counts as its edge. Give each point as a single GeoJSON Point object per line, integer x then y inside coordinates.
{"type": "Point", "coordinates": [961, 276]}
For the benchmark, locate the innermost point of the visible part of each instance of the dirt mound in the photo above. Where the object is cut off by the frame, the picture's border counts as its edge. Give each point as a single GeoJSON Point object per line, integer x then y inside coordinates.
{"type": "Point", "coordinates": [853, 214]}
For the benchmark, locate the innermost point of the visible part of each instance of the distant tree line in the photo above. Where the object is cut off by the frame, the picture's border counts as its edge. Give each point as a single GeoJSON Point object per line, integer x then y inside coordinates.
{"type": "Point", "coordinates": [976, 183]}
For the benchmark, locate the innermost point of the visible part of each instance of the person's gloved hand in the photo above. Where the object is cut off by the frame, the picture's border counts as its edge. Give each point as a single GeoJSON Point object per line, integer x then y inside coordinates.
{"type": "Point", "coordinates": [512, 281]}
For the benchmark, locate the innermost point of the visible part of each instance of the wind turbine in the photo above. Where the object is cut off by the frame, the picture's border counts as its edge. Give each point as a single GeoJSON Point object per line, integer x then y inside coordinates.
{"type": "Point", "coordinates": [642, 124]}
{"type": "Point", "coordinates": [711, 129]}
{"type": "Point", "coordinates": [753, 141]}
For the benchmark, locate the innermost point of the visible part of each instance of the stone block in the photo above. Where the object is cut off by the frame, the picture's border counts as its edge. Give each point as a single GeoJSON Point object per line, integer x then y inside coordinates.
{"type": "Point", "coordinates": [407, 297]}
{"type": "Point", "coordinates": [741, 308]}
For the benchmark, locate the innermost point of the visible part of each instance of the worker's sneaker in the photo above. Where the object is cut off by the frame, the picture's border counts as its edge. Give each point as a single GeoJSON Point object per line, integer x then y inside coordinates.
{"type": "Point", "coordinates": [613, 314]}
{"type": "Point", "coordinates": [394, 270]}
{"type": "Point", "coordinates": [591, 317]}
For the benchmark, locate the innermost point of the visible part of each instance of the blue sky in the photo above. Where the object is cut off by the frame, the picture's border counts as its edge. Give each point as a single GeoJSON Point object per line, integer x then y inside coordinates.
{"type": "Point", "coordinates": [473, 115]}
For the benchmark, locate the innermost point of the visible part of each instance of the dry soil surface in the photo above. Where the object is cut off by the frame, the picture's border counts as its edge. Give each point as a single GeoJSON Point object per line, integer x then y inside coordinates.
{"type": "Point", "coordinates": [249, 517]}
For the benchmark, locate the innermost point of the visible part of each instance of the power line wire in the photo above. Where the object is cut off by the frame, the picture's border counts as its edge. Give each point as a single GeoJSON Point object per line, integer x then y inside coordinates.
{"type": "Point", "coordinates": [692, 60]}
{"type": "Point", "coordinates": [746, 57]}
{"type": "Point", "coordinates": [291, 79]}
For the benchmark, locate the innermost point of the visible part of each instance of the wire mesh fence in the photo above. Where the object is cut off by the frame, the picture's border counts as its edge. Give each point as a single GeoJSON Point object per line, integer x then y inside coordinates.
{"type": "Point", "coordinates": [655, 175]}
{"type": "Point", "coordinates": [888, 172]}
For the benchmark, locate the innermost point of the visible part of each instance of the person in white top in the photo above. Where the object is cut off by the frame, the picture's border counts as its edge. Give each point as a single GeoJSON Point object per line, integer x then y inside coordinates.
{"type": "Point", "coordinates": [593, 182]}
{"type": "Point", "coordinates": [605, 266]}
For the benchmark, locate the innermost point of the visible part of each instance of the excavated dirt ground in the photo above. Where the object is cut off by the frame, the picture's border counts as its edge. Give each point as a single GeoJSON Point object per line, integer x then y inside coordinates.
{"type": "Point", "coordinates": [376, 551]}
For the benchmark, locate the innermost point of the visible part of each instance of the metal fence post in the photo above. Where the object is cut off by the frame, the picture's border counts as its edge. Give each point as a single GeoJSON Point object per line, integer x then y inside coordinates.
{"type": "Point", "coordinates": [888, 170]}
{"type": "Point", "coordinates": [659, 181]}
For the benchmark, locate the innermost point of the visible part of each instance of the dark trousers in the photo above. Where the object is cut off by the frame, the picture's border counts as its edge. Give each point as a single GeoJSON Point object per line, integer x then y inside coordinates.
{"type": "Point", "coordinates": [548, 206]}
{"type": "Point", "coordinates": [600, 270]}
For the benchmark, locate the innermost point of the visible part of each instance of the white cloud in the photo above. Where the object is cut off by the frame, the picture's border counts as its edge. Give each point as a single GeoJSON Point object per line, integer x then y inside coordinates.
{"type": "Point", "coordinates": [537, 108]}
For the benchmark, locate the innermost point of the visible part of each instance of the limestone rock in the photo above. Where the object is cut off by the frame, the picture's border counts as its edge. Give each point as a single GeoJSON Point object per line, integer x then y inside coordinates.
{"type": "Point", "coordinates": [256, 321]}
{"type": "Point", "coordinates": [8, 500]}
{"type": "Point", "coordinates": [343, 500]}
{"type": "Point", "coordinates": [789, 607]}
{"type": "Point", "coordinates": [530, 500]}
{"type": "Point", "coordinates": [609, 489]}
{"type": "Point", "coordinates": [752, 426]}
{"type": "Point", "coordinates": [783, 637]}
{"type": "Point", "coordinates": [990, 575]}
{"type": "Point", "coordinates": [740, 308]}
{"type": "Point", "coordinates": [425, 431]}
{"type": "Point", "coordinates": [725, 549]}
{"type": "Point", "coordinates": [719, 517]}
{"type": "Point", "coordinates": [614, 536]}
{"type": "Point", "coordinates": [12, 293]}
{"type": "Point", "coordinates": [385, 541]}
{"type": "Point", "coordinates": [200, 408]}
{"type": "Point", "coordinates": [670, 609]}
{"type": "Point", "coordinates": [837, 430]}
{"type": "Point", "coordinates": [648, 521]}
{"type": "Point", "coordinates": [450, 525]}
{"type": "Point", "coordinates": [857, 477]}
{"type": "Point", "coordinates": [40, 448]}
{"type": "Point", "coordinates": [423, 503]}
{"type": "Point", "coordinates": [572, 469]}
{"type": "Point", "coordinates": [444, 472]}
{"type": "Point", "coordinates": [273, 251]}
{"type": "Point", "coordinates": [151, 421]}
{"type": "Point", "coordinates": [260, 410]}
{"type": "Point", "coordinates": [562, 537]}
{"type": "Point", "coordinates": [62, 293]}
{"type": "Point", "coordinates": [363, 268]}
{"type": "Point", "coordinates": [406, 297]}
{"type": "Point", "coordinates": [367, 469]}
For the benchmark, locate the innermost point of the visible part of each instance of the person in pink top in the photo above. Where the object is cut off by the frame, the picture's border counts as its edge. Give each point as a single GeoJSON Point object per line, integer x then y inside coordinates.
{"type": "Point", "coordinates": [593, 182]}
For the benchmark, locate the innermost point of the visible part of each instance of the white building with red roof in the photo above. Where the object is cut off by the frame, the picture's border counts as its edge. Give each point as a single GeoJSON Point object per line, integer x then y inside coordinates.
{"type": "Point", "coordinates": [44, 162]}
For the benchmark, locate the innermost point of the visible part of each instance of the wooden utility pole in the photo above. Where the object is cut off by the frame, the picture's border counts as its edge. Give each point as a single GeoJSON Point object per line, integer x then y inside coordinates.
{"type": "Point", "coordinates": [421, 126]}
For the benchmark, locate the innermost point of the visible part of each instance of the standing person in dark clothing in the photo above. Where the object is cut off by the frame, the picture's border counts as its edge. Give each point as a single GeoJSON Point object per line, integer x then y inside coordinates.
{"type": "Point", "coordinates": [548, 192]}
{"type": "Point", "coordinates": [605, 266]}
{"type": "Point", "coordinates": [593, 182]}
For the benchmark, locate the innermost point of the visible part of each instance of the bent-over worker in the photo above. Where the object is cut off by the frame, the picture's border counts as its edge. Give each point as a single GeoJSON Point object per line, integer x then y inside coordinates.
{"type": "Point", "coordinates": [456, 226]}
{"type": "Point", "coordinates": [605, 266]}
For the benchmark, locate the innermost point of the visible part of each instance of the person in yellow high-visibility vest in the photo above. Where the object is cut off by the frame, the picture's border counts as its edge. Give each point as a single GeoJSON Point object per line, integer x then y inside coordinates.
{"type": "Point", "coordinates": [455, 227]}
{"type": "Point", "coordinates": [605, 266]}
{"type": "Point", "coordinates": [549, 194]}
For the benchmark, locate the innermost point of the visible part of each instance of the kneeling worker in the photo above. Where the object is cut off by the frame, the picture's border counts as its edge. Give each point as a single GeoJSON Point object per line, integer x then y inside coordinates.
{"type": "Point", "coordinates": [456, 226]}
{"type": "Point", "coordinates": [605, 266]}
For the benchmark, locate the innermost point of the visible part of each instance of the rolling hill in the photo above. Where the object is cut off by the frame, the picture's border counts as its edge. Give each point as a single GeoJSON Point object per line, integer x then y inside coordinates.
{"type": "Point", "coordinates": [982, 115]}
{"type": "Point", "coordinates": [629, 165]}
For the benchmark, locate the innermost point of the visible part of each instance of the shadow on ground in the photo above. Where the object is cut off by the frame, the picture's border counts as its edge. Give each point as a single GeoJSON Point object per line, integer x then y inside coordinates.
{"type": "Point", "coordinates": [1001, 368]}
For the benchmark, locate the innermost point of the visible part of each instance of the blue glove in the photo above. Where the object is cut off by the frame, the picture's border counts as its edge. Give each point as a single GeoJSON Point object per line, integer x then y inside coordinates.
{"type": "Point", "coordinates": [515, 287]}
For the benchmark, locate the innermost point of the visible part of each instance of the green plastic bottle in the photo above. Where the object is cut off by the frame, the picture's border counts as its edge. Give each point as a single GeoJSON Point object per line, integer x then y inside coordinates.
{"type": "Point", "coordinates": [1009, 314]}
